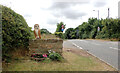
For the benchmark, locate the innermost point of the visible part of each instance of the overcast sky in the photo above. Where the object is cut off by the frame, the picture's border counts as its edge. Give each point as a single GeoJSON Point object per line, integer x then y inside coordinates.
{"type": "Point", "coordinates": [47, 13]}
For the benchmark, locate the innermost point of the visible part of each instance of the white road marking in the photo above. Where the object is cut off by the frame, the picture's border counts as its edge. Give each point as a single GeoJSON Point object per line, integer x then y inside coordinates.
{"type": "Point", "coordinates": [113, 48]}
{"type": "Point", "coordinates": [95, 44]}
{"type": "Point", "coordinates": [77, 46]}
{"type": "Point", "coordinates": [78, 40]}
{"type": "Point", "coordinates": [114, 43]}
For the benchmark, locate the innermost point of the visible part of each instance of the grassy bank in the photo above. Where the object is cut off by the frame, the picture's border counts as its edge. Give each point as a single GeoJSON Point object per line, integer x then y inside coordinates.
{"type": "Point", "coordinates": [73, 61]}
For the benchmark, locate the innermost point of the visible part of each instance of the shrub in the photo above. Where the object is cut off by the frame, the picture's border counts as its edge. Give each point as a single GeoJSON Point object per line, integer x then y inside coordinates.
{"type": "Point", "coordinates": [59, 34]}
{"type": "Point", "coordinates": [59, 27]}
{"type": "Point", "coordinates": [68, 33]}
{"type": "Point", "coordinates": [55, 56]}
{"type": "Point", "coordinates": [45, 31]}
{"type": "Point", "coordinates": [15, 31]}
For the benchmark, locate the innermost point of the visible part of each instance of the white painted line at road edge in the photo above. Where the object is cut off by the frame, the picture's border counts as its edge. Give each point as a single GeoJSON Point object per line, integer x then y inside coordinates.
{"type": "Point", "coordinates": [77, 46]}
{"type": "Point", "coordinates": [114, 48]}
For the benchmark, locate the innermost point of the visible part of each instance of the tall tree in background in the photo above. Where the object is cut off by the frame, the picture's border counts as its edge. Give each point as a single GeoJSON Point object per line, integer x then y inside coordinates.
{"type": "Point", "coordinates": [59, 27]}
{"type": "Point", "coordinates": [69, 33]}
{"type": "Point", "coordinates": [59, 31]}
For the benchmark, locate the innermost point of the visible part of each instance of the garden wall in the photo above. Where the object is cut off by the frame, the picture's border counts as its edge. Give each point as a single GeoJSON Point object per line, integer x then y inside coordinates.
{"type": "Point", "coordinates": [41, 46]}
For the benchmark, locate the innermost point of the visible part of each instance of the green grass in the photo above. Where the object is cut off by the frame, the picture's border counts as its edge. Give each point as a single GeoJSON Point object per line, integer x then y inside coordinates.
{"type": "Point", "coordinates": [71, 62]}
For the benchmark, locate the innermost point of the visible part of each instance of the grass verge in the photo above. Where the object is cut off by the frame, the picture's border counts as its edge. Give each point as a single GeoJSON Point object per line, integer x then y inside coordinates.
{"type": "Point", "coordinates": [73, 61]}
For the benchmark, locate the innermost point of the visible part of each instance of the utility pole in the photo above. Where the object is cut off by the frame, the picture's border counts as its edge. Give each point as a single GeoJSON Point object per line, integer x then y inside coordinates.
{"type": "Point", "coordinates": [108, 12]}
{"type": "Point", "coordinates": [119, 9]}
{"type": "Point", "coordinates": [98, 14]}
{"type": "Point", "coordinates": [98, 21]}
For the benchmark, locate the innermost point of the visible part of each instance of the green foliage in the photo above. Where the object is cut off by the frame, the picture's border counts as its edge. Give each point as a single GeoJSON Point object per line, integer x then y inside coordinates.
{"type": "Point", "coordinates": [55, 56]}
{"type": "Point", "coordinates": [59, 34]}
{"type": "Point", "coordinates": [15, 31]}
{"type": "Point", "coordinates": [7, 58]}
{"type": "Point", "coordinates": [45, 31]}
{"type": "Point", "coordinates": [59, 27]}
{"type": "Point", "coordinates": [109, 29]}
{"type": "Point", "coordinates": [69, 33]}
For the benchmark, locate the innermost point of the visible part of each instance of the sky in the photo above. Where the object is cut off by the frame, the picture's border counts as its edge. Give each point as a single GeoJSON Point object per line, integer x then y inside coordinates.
{"type": "Point", "coordinates": [47, 13]}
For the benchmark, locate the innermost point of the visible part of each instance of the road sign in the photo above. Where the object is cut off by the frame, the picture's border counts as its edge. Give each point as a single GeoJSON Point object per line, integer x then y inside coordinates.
{"type": "Point", "coordinates": [98, 29]}
{"type": "Point", "coordinates": [62, 28]}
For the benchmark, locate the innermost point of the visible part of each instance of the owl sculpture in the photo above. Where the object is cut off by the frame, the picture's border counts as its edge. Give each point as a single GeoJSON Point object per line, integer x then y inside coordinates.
{"type": "Point", "coordinates": [37, 32]}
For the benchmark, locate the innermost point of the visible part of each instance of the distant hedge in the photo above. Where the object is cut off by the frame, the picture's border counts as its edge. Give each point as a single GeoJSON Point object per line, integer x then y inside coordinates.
{"type": "Point", "coordinates": [45, 31]}
{"type": "Point", "coordinates": [109, 29]}
{"type": "Point", "coordinates": [15, 31]}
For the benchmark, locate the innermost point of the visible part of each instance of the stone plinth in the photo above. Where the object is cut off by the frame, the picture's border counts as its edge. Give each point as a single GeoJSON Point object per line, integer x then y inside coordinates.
{"type": "Point", "coordinates": [41, 46]}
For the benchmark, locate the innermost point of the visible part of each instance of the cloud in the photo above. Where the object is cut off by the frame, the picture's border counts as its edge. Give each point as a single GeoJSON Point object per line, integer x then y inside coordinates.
{"type": "Point", "coordinates": [60, 5]}
{"type": "Point", "coordinates": [73, 14]}
{"type": "Point", "coordinates": [63, 9]}
{"type": "Point", "coordinates": [64, 5]}
{"type": "Point", "coordinates": [100, 4]}
{"type": "Point", "coordinates": [27, 15]}
{"type": "Point", "coordinates": [82, 1]}
{"type": "Point", "coordinates": [52, 21]}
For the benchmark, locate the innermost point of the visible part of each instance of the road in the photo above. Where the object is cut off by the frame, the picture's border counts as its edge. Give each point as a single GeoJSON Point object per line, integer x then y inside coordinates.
{"type": "Point", "coordinates": [106, 51]}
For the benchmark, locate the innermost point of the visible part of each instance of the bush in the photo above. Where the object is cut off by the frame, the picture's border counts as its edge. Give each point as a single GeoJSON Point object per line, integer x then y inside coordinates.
{"type": "Point", "coordinates": [59, 34]}
{"type": "Point", "coordinates": [109, 29]}
{"type": "Point", "coordinates": [15, 31]}
{"type": "Point", "coordinates": [93, 33]}
{"type": "Point", "coordinates": [69, 33]}
{"type": "Point", "coordinates": [55, 56]}
{"type": "Point", "coordinates": [59, 27]}
{"type": "Point", "coordinates": [45, 31]}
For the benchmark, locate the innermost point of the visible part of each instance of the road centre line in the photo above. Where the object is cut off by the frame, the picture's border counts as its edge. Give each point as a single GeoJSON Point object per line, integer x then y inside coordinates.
{"type": "Point", "coordinates": [113, 48]}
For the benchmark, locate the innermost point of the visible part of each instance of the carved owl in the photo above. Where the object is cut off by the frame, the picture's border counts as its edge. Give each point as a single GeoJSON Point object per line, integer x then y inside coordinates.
{"type": "Point", "coordinates": [37, 32]}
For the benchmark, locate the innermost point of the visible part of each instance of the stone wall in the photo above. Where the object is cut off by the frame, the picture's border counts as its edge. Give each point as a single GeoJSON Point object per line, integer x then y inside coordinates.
{"type": "Point", "coordinates": [41, 46]}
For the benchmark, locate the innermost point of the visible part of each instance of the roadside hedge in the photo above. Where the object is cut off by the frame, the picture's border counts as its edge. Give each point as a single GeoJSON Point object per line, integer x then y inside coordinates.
{"type": "Point", "coordinates": [15, 31]}
{"type": "Point", "coordinates": [109, 29]}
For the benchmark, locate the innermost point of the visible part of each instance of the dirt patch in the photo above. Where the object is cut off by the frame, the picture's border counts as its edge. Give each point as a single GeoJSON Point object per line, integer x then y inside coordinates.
{"type": "Point", "coordinates": [78, 52]}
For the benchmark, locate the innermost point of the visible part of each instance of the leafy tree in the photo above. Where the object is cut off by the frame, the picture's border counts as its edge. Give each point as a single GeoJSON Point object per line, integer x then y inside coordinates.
{"type": "Point", "coordinates": [59, 27]}
{"type": "Point", "coordinates": [68, 33]}
{"type": "Point", "coordinates": [59, 31]}
{"type": "Point", "coordinates": [109, 29]}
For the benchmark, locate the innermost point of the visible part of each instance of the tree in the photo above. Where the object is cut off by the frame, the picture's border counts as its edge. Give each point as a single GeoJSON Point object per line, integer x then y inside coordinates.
{"type": "Point", "coordinates": [68, 33]}
{"type": "Point", "coordinates": [59, 27]}
{"type": "Point", "coordinates": [109, 29]}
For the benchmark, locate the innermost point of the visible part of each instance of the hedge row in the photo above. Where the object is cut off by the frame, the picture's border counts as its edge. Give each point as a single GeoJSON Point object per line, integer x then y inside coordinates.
{"type": "Point", "coordinates": [15, 31]}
